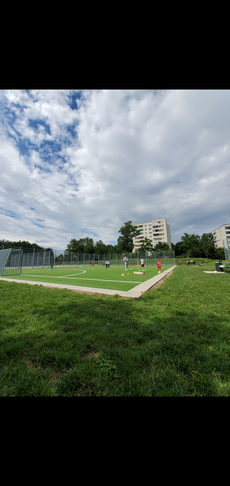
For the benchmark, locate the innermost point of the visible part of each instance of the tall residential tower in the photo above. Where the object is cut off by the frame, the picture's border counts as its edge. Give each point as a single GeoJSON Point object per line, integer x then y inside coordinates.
{"type": "Point", "coordinates": [156, 230]}
{"type": "Point", "coordinates": [222, 236]}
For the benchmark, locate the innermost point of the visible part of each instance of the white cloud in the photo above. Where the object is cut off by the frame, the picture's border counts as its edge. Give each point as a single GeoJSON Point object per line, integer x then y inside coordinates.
{"type": "Point", "coordinates": [130, 150]}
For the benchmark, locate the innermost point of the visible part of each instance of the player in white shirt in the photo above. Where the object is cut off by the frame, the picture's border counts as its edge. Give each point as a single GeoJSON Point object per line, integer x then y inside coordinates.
{"type": "Point", "coordinates": [126, 260]}
{"type": "Point", "coordinates": [142, 263]}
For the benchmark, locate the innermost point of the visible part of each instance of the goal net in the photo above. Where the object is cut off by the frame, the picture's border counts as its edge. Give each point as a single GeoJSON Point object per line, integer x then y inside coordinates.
{"type": "Point", "coordinates": [10, 262]}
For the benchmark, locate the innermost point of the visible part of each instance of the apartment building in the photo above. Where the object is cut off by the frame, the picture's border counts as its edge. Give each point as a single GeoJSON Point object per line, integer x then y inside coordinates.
{"type": "Point", "coordinates": [156, 230]}
{"type": "Point", "coordinates": [222, 236]}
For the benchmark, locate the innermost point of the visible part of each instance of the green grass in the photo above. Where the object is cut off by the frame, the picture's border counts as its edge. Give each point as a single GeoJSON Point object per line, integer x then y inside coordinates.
{"type": "Point", "coordinates": [99, 277]}
{"type": "Point", "coordinates": [173, 341]}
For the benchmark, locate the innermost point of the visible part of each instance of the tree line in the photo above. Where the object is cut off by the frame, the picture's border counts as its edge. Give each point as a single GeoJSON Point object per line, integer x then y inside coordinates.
{"type": "Point", "coordinates": [198, 246]}
{"type": "Point", "coordinates": [26, 246]}
{"type": "Point", "coordinates": [190, 245]}
{"type": "Point", "coordinates": [124, 243]}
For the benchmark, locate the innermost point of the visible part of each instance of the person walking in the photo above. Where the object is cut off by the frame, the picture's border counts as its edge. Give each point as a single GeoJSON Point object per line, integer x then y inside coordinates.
{"type": "Point", "coordinates": [126, 260]}
{"type": "Point", "coordinates": [51, 265]}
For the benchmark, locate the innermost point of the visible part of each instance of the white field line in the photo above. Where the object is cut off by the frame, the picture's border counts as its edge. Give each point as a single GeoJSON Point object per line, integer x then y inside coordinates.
{"type": "Point", "coordinates": [72, 274]}
{"type": "Point", "coordinates": [101, 280]}
{"type": "Point", "coordinates": [49, 276]}
{"type": "Point", "coordinates": [80, 278]}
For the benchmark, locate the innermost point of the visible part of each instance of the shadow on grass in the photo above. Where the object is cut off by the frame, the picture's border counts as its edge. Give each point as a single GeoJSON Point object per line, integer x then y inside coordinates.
{"type": "Point", "coordinates": [59, 343]}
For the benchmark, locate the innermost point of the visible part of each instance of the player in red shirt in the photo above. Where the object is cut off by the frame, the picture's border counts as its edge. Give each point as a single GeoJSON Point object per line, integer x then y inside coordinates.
{"type": "Point", "coordinates": [159, 266]}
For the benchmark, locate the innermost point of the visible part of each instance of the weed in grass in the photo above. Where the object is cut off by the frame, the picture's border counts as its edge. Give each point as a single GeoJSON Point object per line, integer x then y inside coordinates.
{"type": "Point", "coordinates": [107, 367]}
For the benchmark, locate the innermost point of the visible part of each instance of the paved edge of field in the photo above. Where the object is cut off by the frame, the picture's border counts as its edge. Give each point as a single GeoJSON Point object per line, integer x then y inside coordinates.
{"type": "Point", "coordinates": [133, 293]}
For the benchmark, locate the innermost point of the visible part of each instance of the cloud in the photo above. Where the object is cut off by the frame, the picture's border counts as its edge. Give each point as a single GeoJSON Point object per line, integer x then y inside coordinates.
{"type": "Point", "coordinates": [95, 159]}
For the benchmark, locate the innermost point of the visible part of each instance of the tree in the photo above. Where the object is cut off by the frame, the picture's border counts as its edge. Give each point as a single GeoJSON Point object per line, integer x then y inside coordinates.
{"type": "Point", "coordinates": [161, 246]}
{"type": "Point", "coordinates": [84, 245]}
{"type": "Point", "coordinates": [179, 249]}
{"type": "Point", "coordinates": [198, 246]}
{"type": "Point", "coordinates": [207, 245]}
{"type": "Point", "coordinates": [100, 248]}
{"type": "Point", "coordinates": [125, 241]}
{"type": "Point", "coordinates": [191, 244]}
{"type": "Point", "coordinates": [146, 245]}
{"type": "Point", "coordinates": [24, 245]}
{"type": "Point", "coordinates": [219, 254]}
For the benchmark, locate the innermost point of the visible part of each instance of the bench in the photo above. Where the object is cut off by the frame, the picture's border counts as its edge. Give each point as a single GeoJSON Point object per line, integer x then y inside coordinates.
{"type": "Point", "coordinates": [225, 266]}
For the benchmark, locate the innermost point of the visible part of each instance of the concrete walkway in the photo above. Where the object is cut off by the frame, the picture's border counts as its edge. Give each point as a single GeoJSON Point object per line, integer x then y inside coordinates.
{"type": "Point", "coordinates": [133, 293]}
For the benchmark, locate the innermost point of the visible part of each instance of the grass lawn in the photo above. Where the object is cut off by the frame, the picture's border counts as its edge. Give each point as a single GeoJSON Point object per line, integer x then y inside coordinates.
{"type": "Point", "coordinates": [113, 278]}
{"type": "Point", "coordinates": [172, 341]}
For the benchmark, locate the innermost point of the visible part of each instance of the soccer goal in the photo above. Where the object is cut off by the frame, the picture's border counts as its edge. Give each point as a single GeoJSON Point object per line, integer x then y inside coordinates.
{"type": "Point", "coordinates": [10, 262]}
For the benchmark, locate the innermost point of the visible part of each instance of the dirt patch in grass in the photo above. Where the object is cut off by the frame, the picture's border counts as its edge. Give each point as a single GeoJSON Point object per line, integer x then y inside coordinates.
{"type": "Point", "coordinates": [158, 284]}
{"type": "Point", "coordinates": [89, 354]}
{"type": "Point", "coordinates": [30, 363]}
{"type": "Point", "coordinates": [55, 376]}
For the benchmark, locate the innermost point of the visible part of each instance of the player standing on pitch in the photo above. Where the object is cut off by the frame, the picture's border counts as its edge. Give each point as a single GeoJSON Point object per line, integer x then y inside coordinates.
{"type": "Point", "coordinates": [142, 263]}
{"type": "Point", "coordinates": [126, 260]}
{"type": "Point", "coordinates": [159, 266]}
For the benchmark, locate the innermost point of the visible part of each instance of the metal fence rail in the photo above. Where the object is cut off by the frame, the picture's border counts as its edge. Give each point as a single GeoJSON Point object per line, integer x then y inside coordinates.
{"type": "Point", "coordinates": [46, 257]}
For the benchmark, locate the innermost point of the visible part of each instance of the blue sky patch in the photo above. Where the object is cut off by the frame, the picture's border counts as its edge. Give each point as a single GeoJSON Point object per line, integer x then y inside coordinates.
{"type": "Point", "coordinates": [35, 124]}
{"type": "Point", "coordinates": [39, 225]}
{"type": "Point", "coordinates": [91, 233]}
{"type": "Point", "coordinates": [73, 97]}
{"type": "Point", "coordinates": [6, 212]}
{"type": "Point", "coordinates": [71, 129]}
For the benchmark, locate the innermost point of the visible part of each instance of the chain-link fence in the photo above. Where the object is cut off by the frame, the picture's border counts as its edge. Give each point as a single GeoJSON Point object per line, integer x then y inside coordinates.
{"type": "Point", "coordinates": [46, 257]}
{"type": "Point", "coordinates": [10, 262]}
{"type": "Point", "coordinates": [227, 254]}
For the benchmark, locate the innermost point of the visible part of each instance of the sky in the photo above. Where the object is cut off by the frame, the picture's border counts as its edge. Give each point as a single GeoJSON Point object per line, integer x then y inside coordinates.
{"type": "Point", "coordinates": [76, 164]}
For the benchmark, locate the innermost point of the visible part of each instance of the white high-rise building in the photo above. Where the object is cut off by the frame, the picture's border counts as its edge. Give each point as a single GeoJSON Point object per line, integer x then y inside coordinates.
{"type": "Point", "coordinates": [222, 236]}
{"type": "Point", "coordinates": [156, 230]}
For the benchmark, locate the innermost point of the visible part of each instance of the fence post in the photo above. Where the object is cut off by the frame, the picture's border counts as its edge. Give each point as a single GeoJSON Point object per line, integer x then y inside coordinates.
{"type": "Point", "coordinates": [33, 259]}
{"type": "Point", "coordinates": [20, 253]}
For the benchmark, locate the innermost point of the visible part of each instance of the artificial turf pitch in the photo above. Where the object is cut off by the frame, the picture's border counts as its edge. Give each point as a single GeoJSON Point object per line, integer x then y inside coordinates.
{"type": "Point", "coordinates": [112, 278]}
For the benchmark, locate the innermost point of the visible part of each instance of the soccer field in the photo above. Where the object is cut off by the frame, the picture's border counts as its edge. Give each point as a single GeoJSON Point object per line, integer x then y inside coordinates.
{"type": "Point", "coordinates": [112, 278]}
